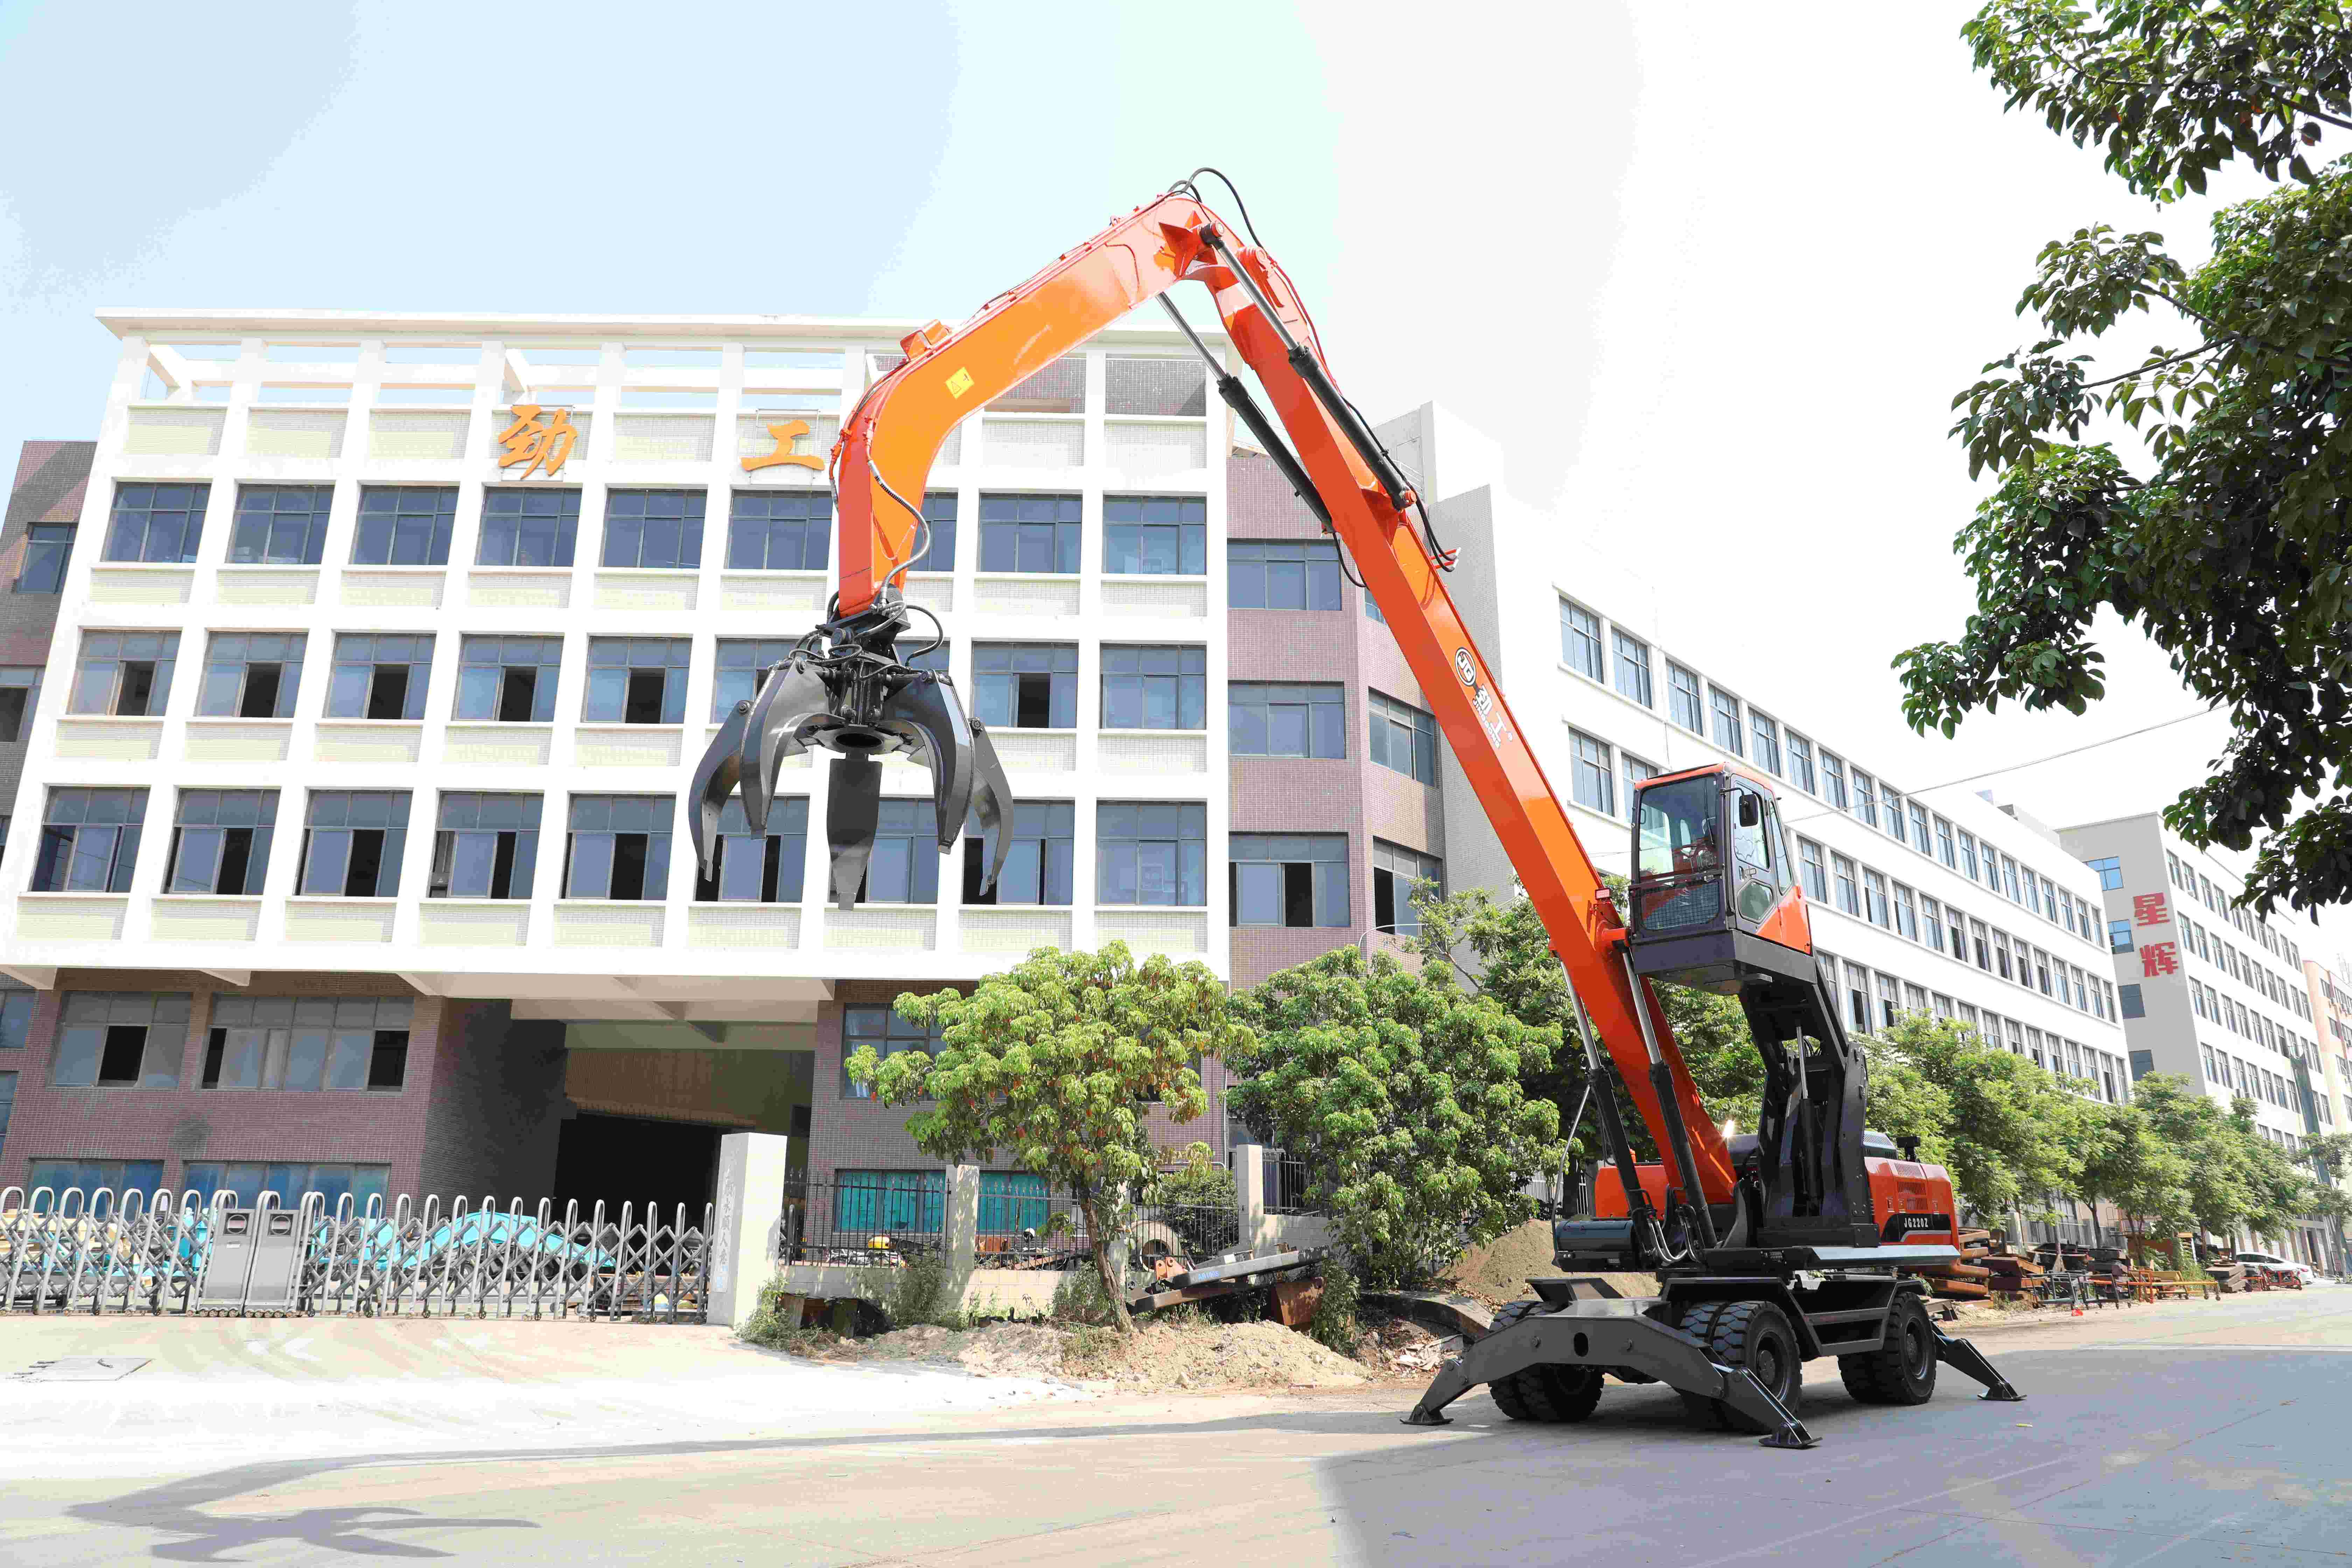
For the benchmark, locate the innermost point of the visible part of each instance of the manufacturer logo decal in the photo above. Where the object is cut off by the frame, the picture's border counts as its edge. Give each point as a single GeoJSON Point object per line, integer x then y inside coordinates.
{"type": "Point", "coordinates": [1482, 702]}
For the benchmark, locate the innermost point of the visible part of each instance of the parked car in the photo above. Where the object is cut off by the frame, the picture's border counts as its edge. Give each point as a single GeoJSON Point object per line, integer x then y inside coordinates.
{"type": "Point", "coordinates": [2272, 1260]}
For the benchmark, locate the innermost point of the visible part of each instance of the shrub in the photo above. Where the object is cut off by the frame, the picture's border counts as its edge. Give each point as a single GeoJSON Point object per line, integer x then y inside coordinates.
{"type": "Point", "coordinates": [922, 1290]}
{"type": "Point", "coordinates": [1334, 1325]}
{"type": "Point", "coordinates": [1080, 1300]}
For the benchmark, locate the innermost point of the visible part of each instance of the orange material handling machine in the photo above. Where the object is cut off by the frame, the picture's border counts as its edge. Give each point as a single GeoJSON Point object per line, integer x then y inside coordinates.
{"type": "Point", "coordinates": [1768, 1249]}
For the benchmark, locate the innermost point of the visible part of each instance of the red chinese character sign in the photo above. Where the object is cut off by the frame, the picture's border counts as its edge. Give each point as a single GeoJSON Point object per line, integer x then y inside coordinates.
{"type": "Point", "coordinates": [2160, 958]}
{"type": "Point", "coordinates": [2149, 909]}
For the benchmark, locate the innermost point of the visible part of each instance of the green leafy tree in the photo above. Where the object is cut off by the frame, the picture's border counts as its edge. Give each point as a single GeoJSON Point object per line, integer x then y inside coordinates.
{"type": "Point", "coordinates": [1403, 1093]}
{"type": "Point", "coordinates": [1507, 957]}
{"type": "Point", "coordinates": [2125, 1163]}
{"type": "Point", "coordinates": [2230, 544]}
{"type": "Point", "coordinates": [1055, 1063]}
{"type": "Point", "coordinates": [2184, 1119]}
{"type": "Point", "coordinates": [2014, 1133]}
{"type": "Point", "coordinates": [1902, 1101]}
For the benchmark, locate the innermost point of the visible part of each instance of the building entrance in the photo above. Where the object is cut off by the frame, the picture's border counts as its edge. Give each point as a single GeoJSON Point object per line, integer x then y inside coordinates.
{"type": "Point", "coordinates": [635, 1160]}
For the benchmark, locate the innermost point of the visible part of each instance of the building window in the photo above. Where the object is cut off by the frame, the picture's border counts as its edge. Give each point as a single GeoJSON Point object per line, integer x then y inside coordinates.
{"type": "Point", "coordinates": [1272, 719]}
{"type": "Point", "coordinates": [251, 674]}
{"type": "Point", "coordinates": [1968, 857]}
{"type": "Point", "coordinates": [1979, 934]}
{"type": "Point", "coordinates": [637, 680]}
{"type": "Point", "coordinates": [1958, 933]}
{"type": "Point", "coordinates": [1636, 771]}
{"type": "Point", "coordinates": [2001, 955]}
{"type": "Point", "coordinates": [2041, 972]}
{"type": "Point", "coordinates": [1857, 997]}
{"type": "Point", "coordinates": [2111, 875]}
{"type": "Point", "coordinates": [787, 530]}
{"type": "Point", "coordinates": [1595, 783]}
{"type": "Point", "coordinates": [1766, 736]}
{"type": "Point", "coordinates": [351, 846]}
{"type": "Point", "coordinates": [94, 1176]}
{"type": "Point", "coordinates": [1726, 722]}
{"type": "Point", "coordinates": [89, 840]}
{"type": "Point", "coordinates": [246, 1182]}
{"type": "Point", "coordinates": [1907, 913]}
{"type": "Point", "coordinates": [1283, 574]}
{"type": "Point", "coordinates": [1580, 640]}
{"type": "Point", "coordinates": [307, 1043]}
{"type": "Point", "coordinates": [48, 550]}
{"type": "Point", "coordinates": [15, 1016]}
{"type": "Point", "coordinates": [1028, 685]}
{"type": "Point", "coordinates": [1865, 798]}
{"type": "Point", "coordinates": [485, 847]}
{"type": "Point", "coordinates": [1152, 852]}
{"type": "Point", "coordinates": [380, 675]}
{"type": "Point", "coordinates": [1834, 781]}
{"type": "Point", "coordinates": [888, 1034]}
{"type": "Point", "coordinates": [1888, 1006]}
{"type": "Point", "coordinates": [740, 661]}
{"type": "Point", "coordinates": [1029, 533]}
{"type": "Point", "coordinates": [1919, 828]}
{"type": "Point", "coordinates": [618, 847]}
{"type": "Point", "coordinates": [1800, 764]}
{"type": "Point", "coordinates": [1682, 698]}
{"type": "Point", "coordinates": [1849, 894]}
{"type": "Point", "coordinates": [1944, 850]}
{"type": "Point", "coordinates": [156, 522]}
{"type": "Point", "coordinates": [221, 842]}
{"type": "Point", "coordinates": [2133, 1006]}
{"type": "Point", "coordinates": [660, 529]}
{"type": "Point", "coordinates": [1893, 804]}
{"type": "Point", "coordinates": [508, 680]}
{"type": "Point", "coordinates": [2119, 936]}
{"type": "Point", "coordinates": [8, 1104]}
{"type": "Point", "coordinates": [1931, 922]}
{"type": "Point", "coordinates": [1403, 737]}
{"type": "Point", "coordinates": [1040, 867]}
{"type": "Point", "coordinates": [1816, 873]}
{"type": "Point", "coordinates": [1633, 666]}
{"type": "Point", "coordinates": [1155, 536]}
{"type": "Point", "coordinates": [127, 674]}
{"type": "Point", "coordinates": [20, 694]}
{"type": "Point", "coordinates": [937, 552]}
{"type": "Point", "coordinates": [1874, 887]}
{"type": "Point", "coordinates": [1155, 687]}
{"type": "Point", "coordinates": [1397, 873]}
{"type": "Point", "coordinates": [280, 525]}
{"type": "Point", "coordinates": [529, 528]}
{"type": "Point", "coordinates": [404, 525]}
{"type": "Point", "coordinates": [754, 868]}
{"type": "Point", "coordinates": [2009, 877]}
{"type": "Point", "coordinates": [1289, 879]}
{"type": "Point", "coordinates": [122, 1039]}
{"type": "Point", "coordinates": [905, 865]}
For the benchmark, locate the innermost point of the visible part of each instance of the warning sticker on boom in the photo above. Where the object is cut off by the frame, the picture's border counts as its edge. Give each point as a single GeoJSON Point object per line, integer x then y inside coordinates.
{"type": "Point", "coordinates": [959, 383]}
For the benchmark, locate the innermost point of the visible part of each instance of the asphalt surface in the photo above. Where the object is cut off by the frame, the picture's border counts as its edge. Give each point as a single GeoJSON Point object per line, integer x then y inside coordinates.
{"type": "Point", "coordinates": [2190, 1433]}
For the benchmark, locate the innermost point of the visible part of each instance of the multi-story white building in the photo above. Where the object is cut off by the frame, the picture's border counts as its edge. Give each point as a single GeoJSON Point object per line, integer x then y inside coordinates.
{"type": "Point", "coordinates": [2209, 991]}
{"type": "Point", "coordinates": [382, 662]}
{"type": "Point", "coordinates": [1937, 901]}
{"type": "Point", "coordinates": [2330, 989]}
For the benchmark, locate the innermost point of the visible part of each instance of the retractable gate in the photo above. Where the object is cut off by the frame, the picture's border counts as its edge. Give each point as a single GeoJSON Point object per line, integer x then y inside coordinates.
{"type": "Point", "coordinates": [106, 1251]}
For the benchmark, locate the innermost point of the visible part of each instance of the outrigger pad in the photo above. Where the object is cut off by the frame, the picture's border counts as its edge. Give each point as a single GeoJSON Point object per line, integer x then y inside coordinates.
{"type": "Point", "coordinates": [852, 812]}
{"type": "Point", "coordinates": [1969, 1361]}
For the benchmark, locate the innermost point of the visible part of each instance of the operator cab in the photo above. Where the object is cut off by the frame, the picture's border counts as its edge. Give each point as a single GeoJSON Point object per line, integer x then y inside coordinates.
{"type": "Point", "coordinates": [1714, 897]}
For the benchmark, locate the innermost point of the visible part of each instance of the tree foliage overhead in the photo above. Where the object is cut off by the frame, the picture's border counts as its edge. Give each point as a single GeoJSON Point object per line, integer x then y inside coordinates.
{"type": "Point", "coordinates": [1054, 1064]}
{"type": "Point", "coordinates": [2230, 544]}
{"type": "Point", "coordinates": [1403, 1093]}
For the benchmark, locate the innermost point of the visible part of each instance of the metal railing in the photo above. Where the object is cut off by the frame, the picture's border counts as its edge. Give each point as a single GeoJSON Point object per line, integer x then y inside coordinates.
{"type": "Point", "coordinates": [106, 1251]}
{"type": "Point", "coordinates": [860, 1225]}
{"type": "Point", "coordinates": [1288, 1182]}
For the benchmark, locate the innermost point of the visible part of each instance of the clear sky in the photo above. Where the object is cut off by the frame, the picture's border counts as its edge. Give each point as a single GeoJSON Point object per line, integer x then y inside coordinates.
{"type": "Point", "coordinates": [1711, 273]}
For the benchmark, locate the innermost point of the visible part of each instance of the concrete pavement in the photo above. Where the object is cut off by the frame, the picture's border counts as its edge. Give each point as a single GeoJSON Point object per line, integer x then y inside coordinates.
{"type": "Point", "coordinates": [2185, 1435]}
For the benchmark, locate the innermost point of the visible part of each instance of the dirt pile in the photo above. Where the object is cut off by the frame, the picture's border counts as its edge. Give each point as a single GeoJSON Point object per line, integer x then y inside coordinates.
{"type": "Point", "coordinates": [1499, 1271]}
{"type": "Point", "coordinates": [1172, 1355]}
{"type": "Point", "coordinates": [1402, 1351]}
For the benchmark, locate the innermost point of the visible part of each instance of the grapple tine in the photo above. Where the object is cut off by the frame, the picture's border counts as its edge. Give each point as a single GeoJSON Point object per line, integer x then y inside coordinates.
{"type": "Point", "coordinates": [791, 694]}
{"type": "Point", "coordinates": [927, 710]}
{"type": "Point", "coordinates": [853, 810]}
{"type": "Point", "coordinates": [715, 778]}
{"type": "Point", "coordinates": [992, 801]}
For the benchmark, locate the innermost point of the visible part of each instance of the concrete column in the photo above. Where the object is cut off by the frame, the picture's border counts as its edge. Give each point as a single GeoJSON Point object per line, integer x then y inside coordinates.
{"type": "Point", "coordinates": [1249, 1190]}
{"type": "Point", "coordinates": [963, 1224]}
{"type": "Point", "coordinates": [745, 1225]}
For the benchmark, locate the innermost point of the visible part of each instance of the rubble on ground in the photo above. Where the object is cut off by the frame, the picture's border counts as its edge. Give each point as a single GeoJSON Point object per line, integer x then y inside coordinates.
{"type": "Point", "coordinates": [1193, 1355]}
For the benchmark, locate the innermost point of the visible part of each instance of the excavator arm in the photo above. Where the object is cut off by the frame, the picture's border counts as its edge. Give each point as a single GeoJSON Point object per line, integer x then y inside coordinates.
{"type": "Point", "coordinates": [881, 461]}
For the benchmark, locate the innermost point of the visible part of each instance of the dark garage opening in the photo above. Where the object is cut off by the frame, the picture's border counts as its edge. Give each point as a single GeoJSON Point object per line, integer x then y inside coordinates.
{"type": "Point", "coordinates": [637, 1160]}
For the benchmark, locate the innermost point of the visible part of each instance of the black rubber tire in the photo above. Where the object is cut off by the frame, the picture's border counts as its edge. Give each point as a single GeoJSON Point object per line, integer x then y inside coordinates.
{"type": "Point", "coordinates": [1902, 1371]}
{"type": "Point", "coordinates": [1549, 1394]}
{"type": "Point", "coordinates": [1758, 1336]}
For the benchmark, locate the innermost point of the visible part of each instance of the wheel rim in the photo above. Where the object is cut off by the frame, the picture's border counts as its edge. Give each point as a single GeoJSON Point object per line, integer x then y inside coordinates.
{"type": "Point", "coordinates": [1917, 1354]}
{"type": "Point", "coordinates": [1771, 1366]}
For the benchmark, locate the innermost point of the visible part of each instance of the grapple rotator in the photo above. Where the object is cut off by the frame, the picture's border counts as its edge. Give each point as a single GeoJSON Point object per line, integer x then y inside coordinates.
{"type": "Point", "coordinates": [846, 690]}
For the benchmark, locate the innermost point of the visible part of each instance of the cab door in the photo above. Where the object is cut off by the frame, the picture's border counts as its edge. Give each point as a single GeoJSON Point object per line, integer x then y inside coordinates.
{"type": "Point", "coordinates": [1758, 877]}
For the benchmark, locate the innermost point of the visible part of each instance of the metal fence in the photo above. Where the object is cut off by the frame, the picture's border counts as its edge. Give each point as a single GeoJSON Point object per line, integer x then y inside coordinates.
{"type": "Point", "coordinates": [1288, 1182]}
{"type": "Point", "coordinates": [863, 1223]}
{"type": "Point", "coordinates": [104, 1251]}
{"type": "Point", "coordinates": [866, 1224]}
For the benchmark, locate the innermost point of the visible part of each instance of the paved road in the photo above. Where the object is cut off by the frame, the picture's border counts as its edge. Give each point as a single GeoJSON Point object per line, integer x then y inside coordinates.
{"type": "Point", "coordinates": [2172, 1436]}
